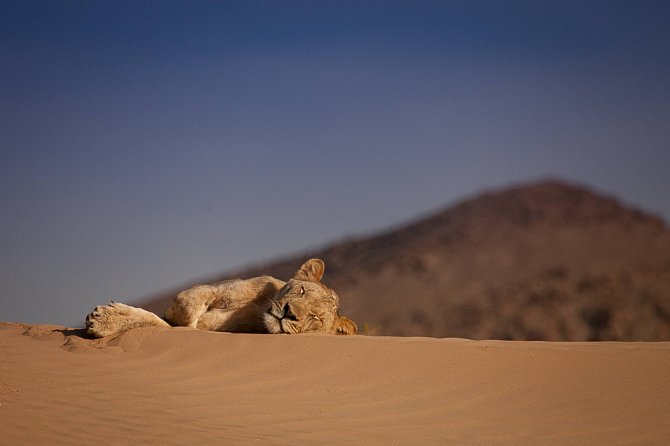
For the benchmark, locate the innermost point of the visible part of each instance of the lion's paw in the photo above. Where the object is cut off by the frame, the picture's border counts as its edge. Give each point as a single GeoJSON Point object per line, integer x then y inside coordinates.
{"type": "Point", "coordinates": [106, 320]}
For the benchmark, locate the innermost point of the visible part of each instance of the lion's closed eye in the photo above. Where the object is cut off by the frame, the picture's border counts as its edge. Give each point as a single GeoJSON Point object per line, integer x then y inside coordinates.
{"type": "Point", "coordinates": [314, 322]}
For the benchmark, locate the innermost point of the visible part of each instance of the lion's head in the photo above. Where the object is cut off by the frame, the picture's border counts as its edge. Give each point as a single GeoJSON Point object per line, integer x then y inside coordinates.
{"type": "Point", "coordinates": [305, 305]}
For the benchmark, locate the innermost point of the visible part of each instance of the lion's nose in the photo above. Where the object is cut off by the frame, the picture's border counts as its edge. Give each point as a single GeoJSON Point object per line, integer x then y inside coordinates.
{"type": "Point", "coordinates": [288, 314]}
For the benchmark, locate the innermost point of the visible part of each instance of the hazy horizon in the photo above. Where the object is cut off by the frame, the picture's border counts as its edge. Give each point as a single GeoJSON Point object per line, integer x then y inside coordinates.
{"type": "Point", "coordinates": [145, 145]}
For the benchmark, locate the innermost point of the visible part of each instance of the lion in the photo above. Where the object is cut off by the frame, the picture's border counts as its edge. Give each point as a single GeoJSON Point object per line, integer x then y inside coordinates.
{"type": "Point", "coordinates": [257, 305]}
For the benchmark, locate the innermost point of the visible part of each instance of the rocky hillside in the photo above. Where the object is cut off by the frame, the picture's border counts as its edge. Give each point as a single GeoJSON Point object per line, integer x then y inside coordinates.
{"type": "Point", "coordinates": [545, 261]}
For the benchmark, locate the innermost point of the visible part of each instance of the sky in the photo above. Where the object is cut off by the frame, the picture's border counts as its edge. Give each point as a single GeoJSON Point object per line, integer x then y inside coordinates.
{"type": "Point", "coordinates": [147, 144]}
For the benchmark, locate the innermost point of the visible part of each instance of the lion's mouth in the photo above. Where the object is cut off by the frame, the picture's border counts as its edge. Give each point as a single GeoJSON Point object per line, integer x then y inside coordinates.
{"type": "Point", "coordinates": [278, 319]}
{"type": "Point", "coordinates": [275, 324]}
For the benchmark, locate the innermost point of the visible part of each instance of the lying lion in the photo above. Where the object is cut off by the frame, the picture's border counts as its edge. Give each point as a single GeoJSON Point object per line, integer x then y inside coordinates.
{"type": "Point", "coordinates": [258, 305]}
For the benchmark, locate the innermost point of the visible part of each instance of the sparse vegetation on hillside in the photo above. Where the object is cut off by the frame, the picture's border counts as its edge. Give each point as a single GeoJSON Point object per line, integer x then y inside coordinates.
{"type": "Point", "coordinates": [545, 261]}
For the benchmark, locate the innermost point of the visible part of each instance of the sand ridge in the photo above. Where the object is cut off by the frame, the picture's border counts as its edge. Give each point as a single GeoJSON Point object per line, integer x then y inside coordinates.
{"type": "Point", "coordinates": [183, 386]}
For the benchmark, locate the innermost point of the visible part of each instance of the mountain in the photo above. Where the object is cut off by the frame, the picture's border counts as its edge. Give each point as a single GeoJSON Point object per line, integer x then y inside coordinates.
{"type": "Point", "coordinates": [541, 261]}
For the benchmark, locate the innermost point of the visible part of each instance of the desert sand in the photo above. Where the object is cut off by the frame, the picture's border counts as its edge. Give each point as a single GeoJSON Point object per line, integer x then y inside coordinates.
{"type": "Point", "coordinates": [182, 386]}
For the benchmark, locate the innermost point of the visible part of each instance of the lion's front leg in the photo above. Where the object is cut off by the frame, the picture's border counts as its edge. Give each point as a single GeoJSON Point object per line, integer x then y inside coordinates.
{"type": "Point", "coordinates": [189, 305]}
{"type": "Point", "coordinates": [107, 320]}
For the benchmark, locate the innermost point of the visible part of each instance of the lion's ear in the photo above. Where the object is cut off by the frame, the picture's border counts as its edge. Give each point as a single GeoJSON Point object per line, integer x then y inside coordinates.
{"type": "Point", "coordinates": [345, 326]}
{"type": "Point", "coordinates": [311, 270]}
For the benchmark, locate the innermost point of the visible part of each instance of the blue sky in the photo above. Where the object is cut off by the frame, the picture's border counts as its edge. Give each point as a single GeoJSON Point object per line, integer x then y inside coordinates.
{"type": "Point", "coordinates": [148, 144]}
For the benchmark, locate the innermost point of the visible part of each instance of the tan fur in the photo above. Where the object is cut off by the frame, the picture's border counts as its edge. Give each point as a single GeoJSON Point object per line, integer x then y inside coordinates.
{"type": "Point", "coordinates": [257, 305]}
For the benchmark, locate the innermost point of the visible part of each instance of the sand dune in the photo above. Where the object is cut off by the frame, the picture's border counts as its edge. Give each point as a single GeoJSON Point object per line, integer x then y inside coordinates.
{"type": "Point", "coordinates": [181, 386]}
